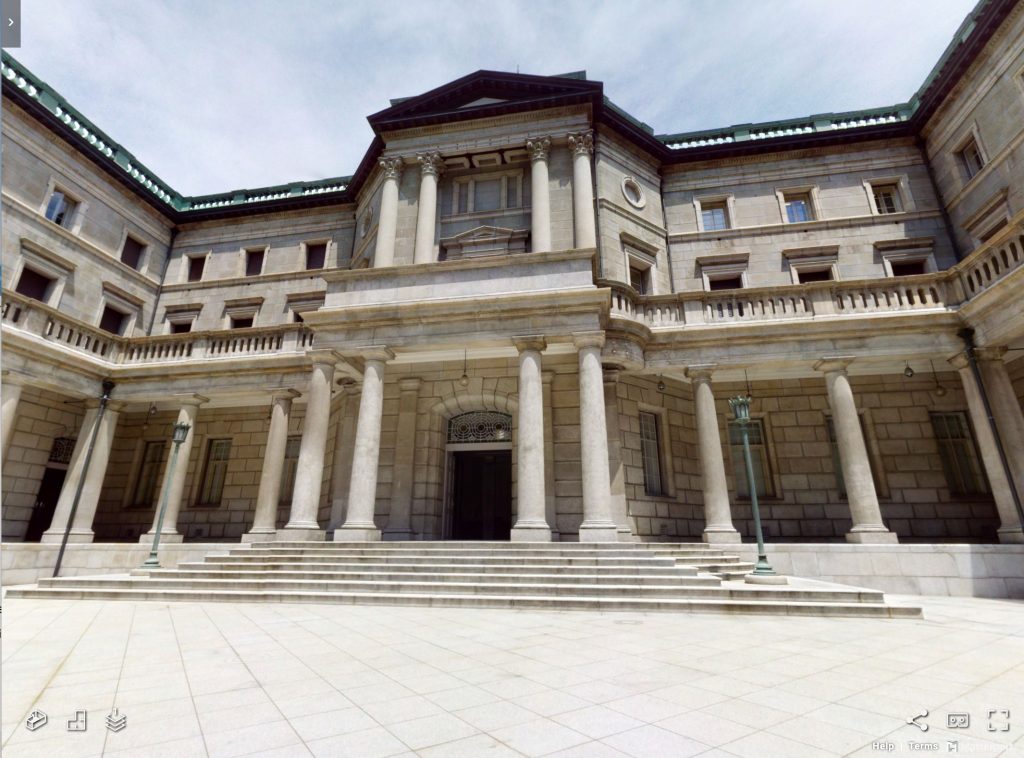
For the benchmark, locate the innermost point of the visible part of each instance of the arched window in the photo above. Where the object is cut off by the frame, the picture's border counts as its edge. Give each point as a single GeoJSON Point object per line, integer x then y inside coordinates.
{"type": "Point", "coordinates": [480, 426]}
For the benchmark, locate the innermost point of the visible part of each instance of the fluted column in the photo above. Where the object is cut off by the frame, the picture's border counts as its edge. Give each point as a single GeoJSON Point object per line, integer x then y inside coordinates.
{"type": "Point", "coordinates": [187, 413]}
{"type": "Point", "coordinates": [718, 526]}
{"type": "Point", "coordinates": [616, 470]}
{"type": "Point", "coordinates": [583, 221]}
{"type": "Point", "coordinates": [264, 522]}
{"type": "Point", "coordinates": [1005, 408]}
{"type": "Point", "coordinates": [400, 518]}
{"type": "Point", "coordinates": [362, 492]}
{"type": "Point", "coordinates": [550, 501]}
{"type": "Point", "coordinates": [81, 527]}
{"type": "Point", "coordinates": [853, 456]}
{"type": "Point", "coordinates": [11, 393]}
{"type": "Point", "coordinates": [531, 521]}
{"type": "Point", "coordinates": [341, 469]}
{"type": "Point", "coordinates": [387, 224]}
{"type": "Point", "coordinates": [303, 522]}
{"type": "Point", "coordinates": [431, 165]}
{"type": "Point", "coordinates": [540, 211]}
{"type": "Point", "coordinates": [1009, 519]}
{"type": "Point", "coordinates": [597, 523]}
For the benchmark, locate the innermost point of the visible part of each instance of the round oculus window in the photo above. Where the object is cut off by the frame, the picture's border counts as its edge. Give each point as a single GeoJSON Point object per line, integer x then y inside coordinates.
{"type": "Point", "coordinates": [633, 192]}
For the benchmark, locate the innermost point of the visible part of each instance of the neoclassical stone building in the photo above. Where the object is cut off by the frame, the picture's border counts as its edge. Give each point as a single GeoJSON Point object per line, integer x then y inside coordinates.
{"type": "Point", "coordinates": [522, 317]}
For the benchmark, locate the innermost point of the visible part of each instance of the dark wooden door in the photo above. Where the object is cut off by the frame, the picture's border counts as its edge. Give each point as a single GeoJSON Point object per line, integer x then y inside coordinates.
{"type": "Point", "coordinates": [482, 495]}
{"type": "Point", "coordinates": [46, 503]}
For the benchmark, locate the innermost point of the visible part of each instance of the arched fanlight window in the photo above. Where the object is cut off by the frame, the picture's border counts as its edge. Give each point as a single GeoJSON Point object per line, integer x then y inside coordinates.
{"type": "Point", "coordinates": [480, 426]}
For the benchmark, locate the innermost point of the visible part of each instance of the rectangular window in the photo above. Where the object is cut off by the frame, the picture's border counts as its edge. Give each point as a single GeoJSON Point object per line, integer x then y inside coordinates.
{"type": "Point", "coordinates": [181, 327]}
{"type": "Point", "coordinates": [817, 275]}
{"type": "Point", "coordinates": [887, 198]}
{"type": "Point", "coordinates": [970, 159]}
{"type": "Point", "coordinates": [33, 284]}
{"type": "Point", "coordinates": [242, 322]}
{"type": "Point", "coordinates": [196, 264]}
{"type": "Point", "coordinates": [254, 262]}
{"type": "Point", "coordinates": [650, 451]}
{"type": "Point", "coordinates": [61, 209]}
{"type": "Point", "coordinates": [131, 252]}
{"type": "Point", "coordinates": [113, 320]}
{"type": "Point", "coordinates": [798, 208]}
{"type": "Point", "coordinates": [907, 268]}
{"type": "Point", "coordinates": [316, 255]}
{"type": "Point", "coordinates": [725, 283]}
{"type": "Point", "coordinates": [463, 197]}
{"type": "Point", "coordinates": [959, 455]}
{"type": "Point", "coordinates": [638, 279]}
{"type": "Point", "coordinates": [715, 216]}
{"type": "Point", "coordinates": [837, 465]}
{"type": "Point", "coordinates": [215, 472]}
{"type": "Point", "coordinates": [487, 195]}
{"type": "Point", "coordinates": [291, 462]}
{"type": "Point", "coordinates": [152, 462]}
{"type": "Point", "coordinates": [512, 199]}
{"type": "Point", "coordinates": [758, 454]}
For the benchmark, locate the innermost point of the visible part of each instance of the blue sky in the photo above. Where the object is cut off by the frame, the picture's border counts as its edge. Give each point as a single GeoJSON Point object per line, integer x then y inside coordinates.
{"type": "Point", "coordinates": [216, 95]}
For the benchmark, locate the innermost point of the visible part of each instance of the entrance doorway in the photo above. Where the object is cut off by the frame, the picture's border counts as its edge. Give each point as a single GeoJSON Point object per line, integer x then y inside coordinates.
{"type": "Point", "coordinates": [46, 503]}
{"type": "Point", "coordinates": [481, 494]}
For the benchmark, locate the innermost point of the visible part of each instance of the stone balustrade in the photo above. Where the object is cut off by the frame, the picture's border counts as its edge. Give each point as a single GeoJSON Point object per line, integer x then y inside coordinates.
{"type": "Point", "coordinates": [992, 262]}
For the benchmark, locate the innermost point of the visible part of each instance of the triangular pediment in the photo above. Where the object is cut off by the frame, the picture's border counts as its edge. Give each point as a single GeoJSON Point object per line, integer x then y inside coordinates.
{"type": "Point", "coordinates": [482, 94]}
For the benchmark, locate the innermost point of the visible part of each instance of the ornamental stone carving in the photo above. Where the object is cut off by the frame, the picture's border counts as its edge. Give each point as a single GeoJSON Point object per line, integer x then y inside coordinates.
{"type": "Point", "coordinates": [539, 148]}
{"type": "Point", "coordinates": [430, 163]}
{"type": "Point", "coordinates": [582, 143]}
{"type": "Point", "coordinates": [392, 167]}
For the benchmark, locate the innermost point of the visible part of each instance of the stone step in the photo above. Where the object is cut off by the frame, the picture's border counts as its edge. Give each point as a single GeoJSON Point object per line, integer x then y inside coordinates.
{"type": "Point", "coordinates": [245, 556]}
{"type": "Point", "coordinates": [759, 604]}
{"type": "Point", "coordinates": [740, 592]}
{"type": "Point", "coordinates": [491, 568]}
{"type": "Point", "coordinates": [272, 549]}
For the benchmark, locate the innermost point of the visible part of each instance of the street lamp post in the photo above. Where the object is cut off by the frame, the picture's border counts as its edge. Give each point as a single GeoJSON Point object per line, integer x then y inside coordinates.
{"type": "Point", "coordinates": [741, 409]}
{"type": "Point", "coordinates": [181, 431]}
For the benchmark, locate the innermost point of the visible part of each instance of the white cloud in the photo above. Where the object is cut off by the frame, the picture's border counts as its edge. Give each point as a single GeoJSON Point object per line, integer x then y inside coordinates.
{"type": "Point", "coordinates": [240, 93]}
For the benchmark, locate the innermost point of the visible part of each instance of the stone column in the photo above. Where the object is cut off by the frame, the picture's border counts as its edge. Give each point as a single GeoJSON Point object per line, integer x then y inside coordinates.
{"type": "Point", "coordinates": [584, 225]}
{"type": "Point", "coordinates": [616, 471]}
{"type": "Point", "coordinates": [531, 522]}
{"type": "Point", "coordinates": [1009, 519]}
{"type": "Point", "coordinates": [81, 528]}
{"type": "Point", "coordinates": [362, 492]}
{"type": "Point", "coordinates": [853, 456]}
{"type": "Point", "coordinates": [550, 501]}
{"type": "Point", "coordinates": [431, 166]}
{"type": "Point", "coordinates": [264, 522]}
{"type": "Point", "coordinates": [387, 224]}
{"type": "Point", "coordinates": [597, 523]}
{"type": "Point", "coordinates": [540, 211]}
{"type": "Point", "coordinates": [718, 525]}
{"type": "Point", "coordinates": [1005, 409]}
{"type": "Point", "coordinates": [303, 523]}
{"type": "Point", "coordinates": [8, 413]}
{"type": "Point", "coordinates": [341, 470]}
{"type": "Point", "coordinates": [176, 493]}
{"type": "Point", "coordinates": [400, 519]}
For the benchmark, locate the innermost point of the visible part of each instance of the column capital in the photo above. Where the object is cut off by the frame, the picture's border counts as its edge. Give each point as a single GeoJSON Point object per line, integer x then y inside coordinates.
{"type": "Point", "coordinates": [834, 364]}
{"type": "Point", "coordinates": [530, 342]}
{"type": "Point", "coordinates": [321, 356]}
{"type": "Point", "coordinates": [392, 167]}
{"type": "Point", "coordinates": [538, 147]}
{"type": "Point", "coordinates": [701, 372]}
{"type": "Point", "coordinates": [410, 384]}
{"type": "Point", "coordinates": [547, 376]}
{"type": "Point", "coordinates": [959, 361]}
{"type": "Point", "coordinates": [372, 353]}
{"type": "Point", "coordinates": [588, 339]}
{"type": "Point", "coordinates": [190, 398]}
{"type": "Point", "coordinates": [282, 393]}
{"type": "Point", "coordinates": [582, 143]}
{"type": "Point", "coordinates": [114, 406]}
{"type": "Point", "coordinates": [430, 163]}
{"type": "Point", "coordinates": [990, 353]}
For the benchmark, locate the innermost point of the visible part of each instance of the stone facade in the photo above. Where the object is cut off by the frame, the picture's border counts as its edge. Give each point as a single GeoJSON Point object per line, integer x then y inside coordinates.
{"type": "Point", "coordinates": [594, 293]}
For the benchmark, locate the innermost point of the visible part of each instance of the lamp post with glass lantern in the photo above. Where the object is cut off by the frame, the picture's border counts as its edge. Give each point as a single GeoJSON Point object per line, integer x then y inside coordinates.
{"type": "Point", "coordinates": [740, 406]}
{"type": "Point", "coordinates": [181, 431]}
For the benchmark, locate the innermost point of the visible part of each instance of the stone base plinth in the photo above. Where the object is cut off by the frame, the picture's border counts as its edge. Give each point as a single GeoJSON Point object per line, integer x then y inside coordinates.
{"type": "Point", "coordinates": [1011, 536]}
{"type": "Point", "coordinates": [728, 536]}
{"type": "Point", "coordinates": [269, 535]}
{"type": "Point", "coordinates": [169, 537]}
{"type": "Point", "coordinates": [530, 534]}
{"type": "Point", "coordinates": [625, 535]}
{"type": "Point", "coordinates": [872, 537]}
{"type": "Point", "coordinates": [356, 534]}
{"type": "Point", "coordinates": [55, 538]}
{"type": "Point", "coordinates": [765, 579]}
{"type": "Point", "coordinates": [599, 533]}
{"type": "Point", "coordinates": [301, 534]}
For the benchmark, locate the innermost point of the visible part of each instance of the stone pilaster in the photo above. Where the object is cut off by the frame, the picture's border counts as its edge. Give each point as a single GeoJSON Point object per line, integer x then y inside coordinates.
{"type": "Point", "coordinates": [853, 456]}
{"type": "Point", "coordinates": [362, 493]}
{"type": "Point", "coordinates": [584, 222]}
{"type": "Point", "coordinates": [531, 522]}
{"type": "Point", "coordinates": [341, 469]}
{"type": "Point", "coordinates": [303, 522]}
{"type": "Point", "coordinates": [540, 212]}
{"type": "Point", "coordinates": [387, 224]}
{"type": "Point", "coordinates": [597, 523]}
{"type": "Point", "coordinates": [11, 394]}
{"type": "Point", "coordinates": [1009, 519]}
{"type": "Point", "coordinates": [718, 526]}
{"type": "Point", "coordinates": [431, 165]}
{"type": "Point", "coordinates": [264, 523]}
{"type": "Point", "coordinates": [400, 519]}
{"type": "Point", "coordinates": [616, 469]}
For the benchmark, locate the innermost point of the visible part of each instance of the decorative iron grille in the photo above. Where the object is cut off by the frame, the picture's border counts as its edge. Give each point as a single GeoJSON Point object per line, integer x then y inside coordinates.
{"type": "Point", "coordinates": [61, 450]}
{"type": "Point", "coordinates": [480, 426]}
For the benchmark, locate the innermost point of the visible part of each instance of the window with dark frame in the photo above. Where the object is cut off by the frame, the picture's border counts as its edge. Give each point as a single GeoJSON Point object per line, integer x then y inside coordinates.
{"type": "Point", "coordinates": [759, 457]}
{"type": "Point", "coordinates": [638, 279]}
{"type": "Point", "coordinates": [813, 275]}
{"type": "Point", "coordinates": [33, 284]}
{"type": "Point", "coordinates": [970, 158]}
{"type": "Point", "coordinates": [316, 255]}
{"type": "Point", "coordinates": [254, 262]}
{"type": "Point", "coordinates": [650, 452]}
{"type": "Point", "coordinates": [181, 327]}
{"type": "Point", "coordinates": [887, 198]}
{"type": "Point", "coordinates": [61, 209]}
{"type": "Point", "coordinates": [907, 268]}
{"type": "Point", "coordinates": [242, 322]}
{"type": "Point", "coordinates": [959, 454]}
{"type": "Point", "coordinates": [215, 472]}
{"type": "Point", "coordinates": [152, 462]}
{"type": "Point", "coordinates": [714, 216]}
{"type": "Point", "coordinates": [725, 283]}
{"type": "Point", "coordinates": [113, 320]}
{"type": "Point", "coordinates": [798, 207]}
{"type": "Point", "coordinates": [196, 264]}
{"type": "Point", "coordinates": [131, 252]}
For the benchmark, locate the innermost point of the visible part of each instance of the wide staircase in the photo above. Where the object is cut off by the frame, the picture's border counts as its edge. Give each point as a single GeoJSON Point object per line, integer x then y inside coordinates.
{"type": "Point", "coordinates": [557, 576]}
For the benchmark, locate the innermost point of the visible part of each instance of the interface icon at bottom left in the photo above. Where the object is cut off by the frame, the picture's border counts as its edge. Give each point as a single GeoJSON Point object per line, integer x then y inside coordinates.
{"type": "Point", "coordinates": [35, 720]}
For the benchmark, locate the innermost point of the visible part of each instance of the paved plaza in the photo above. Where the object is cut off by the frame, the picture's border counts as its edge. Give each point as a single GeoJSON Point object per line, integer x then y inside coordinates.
{"type": "Point", "coordinates": [297, 680]}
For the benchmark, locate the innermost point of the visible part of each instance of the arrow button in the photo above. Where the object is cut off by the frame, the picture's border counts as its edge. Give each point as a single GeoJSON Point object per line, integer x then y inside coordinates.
{"type": "Point", "coordinates": [11, 29]}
